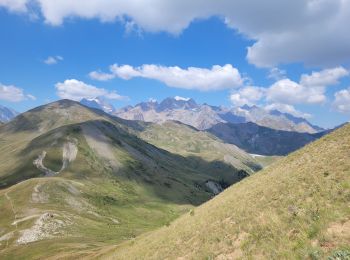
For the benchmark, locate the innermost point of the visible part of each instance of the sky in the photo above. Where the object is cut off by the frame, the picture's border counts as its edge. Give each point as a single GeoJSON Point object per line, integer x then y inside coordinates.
{"type": "Point", "coordinates": [293, 56]}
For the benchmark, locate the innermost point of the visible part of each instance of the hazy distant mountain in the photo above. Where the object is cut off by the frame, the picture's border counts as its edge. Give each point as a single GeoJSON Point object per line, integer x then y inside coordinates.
{"type": "Point", "coordinates": [186, 111]}
{"type": "Point", "coordinates": [203, 116]}
{"type": "Point", "coordinates": [98, 103]}
{"type": "Point", "coordinates": [262, 140]}
{"type": "Point", "coordinates": [7, 114]}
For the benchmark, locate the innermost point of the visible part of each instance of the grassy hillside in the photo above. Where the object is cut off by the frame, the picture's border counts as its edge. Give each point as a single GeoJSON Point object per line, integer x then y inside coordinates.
{"type": "Point", "coordinates": [265, 161]}
{"type": "Point", "coordinates": [181, 139]}
{"type": "Point", "coordinates": [76, 179]}
{"type": "Point", "coordinates": [297, 208]}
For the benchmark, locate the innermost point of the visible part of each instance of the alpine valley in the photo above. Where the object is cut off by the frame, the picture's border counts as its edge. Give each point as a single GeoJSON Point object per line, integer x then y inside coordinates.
{"type": "Point", "coordinates": [253, 129]}
{"type": "Point", "coordinates": [174, 130]}
{"type": "Point", "coordinates": [75, 178]}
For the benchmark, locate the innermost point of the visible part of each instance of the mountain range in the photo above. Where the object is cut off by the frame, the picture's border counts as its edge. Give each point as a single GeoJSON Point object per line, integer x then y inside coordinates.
{"type": "Point", "coordinates": [7, 114]}
{"type": "Point", "coordinates": [253, 129]}
{"type": "Point", "coordinates": [204, 116]}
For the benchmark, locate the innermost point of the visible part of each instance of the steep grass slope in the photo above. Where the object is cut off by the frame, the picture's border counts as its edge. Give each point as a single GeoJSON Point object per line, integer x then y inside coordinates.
{"type": "Point", "coordinates": [76, 179]}
{"type": "Point", "coordinates": [181, 139]}
{"type": "Point", "coordinates": [297, 208]}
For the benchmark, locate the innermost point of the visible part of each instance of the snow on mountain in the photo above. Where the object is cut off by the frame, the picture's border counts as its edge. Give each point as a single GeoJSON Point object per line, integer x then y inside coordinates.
{"type": "Point", "coordinates": [204, 116]}
{"type": "Point", "coordinates": [98, 103]}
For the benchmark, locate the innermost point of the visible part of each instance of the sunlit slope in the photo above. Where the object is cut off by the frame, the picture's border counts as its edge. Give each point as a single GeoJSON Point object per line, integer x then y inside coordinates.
{"type": "Point", "coordinates": [18, 138]}
{"type": "Point", "coordinates": [20, 144]}
{"type": "Point", "coordinates": [189, 142]}
{"type": "Point", "coordinates": [86, 180]}
{"type": "Point", "coordinates": [297, 208]}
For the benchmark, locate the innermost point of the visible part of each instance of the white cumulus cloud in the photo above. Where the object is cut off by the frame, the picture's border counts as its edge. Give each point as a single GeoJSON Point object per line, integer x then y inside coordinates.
{"type": "Point", "coordinates": [324, 78]}
{"type": "Point", "coordinates": [289, 109]}
{"type": "Point", "coordinates": [76, 90]}
{"type": "Point", "coordinates": [13, 94]}
{"type": "Point", "coordinates": [314, 32]}
{"type": "Point", "coordinates": [14, 5]}
{"type": "Point", "coordinates": [276, 74]}
{"type": "Point", "coordinates": [342, 101]}
{"type": "Point", "coordinates": [249, 95]}
{"type": "Point", "coordinates": [285, 93]}
{"type": "Point", "coordinates": [101, 76]}
{"type": "Point", "coordinates": [216, 78]}
{"type": "Point", "coordinates": [311, 88]}
{"type": "Point", "coordinates": [51, 60]}
{"type": "Point", "coordinates": [290, 92]}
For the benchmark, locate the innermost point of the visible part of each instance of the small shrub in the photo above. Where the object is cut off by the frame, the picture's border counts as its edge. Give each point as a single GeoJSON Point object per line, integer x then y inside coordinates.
{"type": "Point", "coordinates": [191, 212]}
{"type": "Point", "coordinates": [315, 255]}
{"type": "Point", "coordinates": [340, 255]}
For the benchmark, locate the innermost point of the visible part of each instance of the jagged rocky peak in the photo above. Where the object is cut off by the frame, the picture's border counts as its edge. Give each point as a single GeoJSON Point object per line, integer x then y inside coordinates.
{"type": "Point", "coordinates": [177, 103]}
{"type": "Point", "coordinates": [151, 104]}
{"type": "Point", "coordinates": [204, 116]}
{"type": "Point", "coordinates": [98, 103]}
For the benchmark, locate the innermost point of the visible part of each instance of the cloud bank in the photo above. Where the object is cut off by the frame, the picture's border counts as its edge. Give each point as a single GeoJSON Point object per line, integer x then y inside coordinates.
{"type": "Point", "coordinates": [76, 90]}
{"type": "Point", "coordinates": [215, 78]}
{"type": "Point", "coordinates": [342, 101]}
{"type": "Point", "coordinates": [314, 32]}
{"type": "Point", "coordinates": [285, 93]}
{"type": "Point", "coordinates": [13, 94]}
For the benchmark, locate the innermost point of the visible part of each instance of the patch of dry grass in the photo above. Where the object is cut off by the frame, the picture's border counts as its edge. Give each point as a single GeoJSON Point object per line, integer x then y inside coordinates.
{"type": "Point", "coordinates": [298, 208]}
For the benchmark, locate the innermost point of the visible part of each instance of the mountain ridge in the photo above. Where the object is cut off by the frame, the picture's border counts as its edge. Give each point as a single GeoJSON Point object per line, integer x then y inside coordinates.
{"type": "Point", "coordinates": [204, 116]}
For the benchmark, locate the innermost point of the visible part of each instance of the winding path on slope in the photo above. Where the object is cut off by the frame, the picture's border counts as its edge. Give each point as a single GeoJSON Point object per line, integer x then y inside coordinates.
{"type": "Point", "coordinates": [69, 154]}
{"type": "Point", "coordinates": [14, 215]}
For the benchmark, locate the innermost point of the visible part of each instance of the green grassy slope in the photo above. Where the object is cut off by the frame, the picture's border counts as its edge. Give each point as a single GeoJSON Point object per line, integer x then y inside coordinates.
{"type": "Point", "coordinates": [297, 208]}
{"type": "Point", "coordinates": [189, 142]}
{"type": "Point", "coordinates": [117, 187]}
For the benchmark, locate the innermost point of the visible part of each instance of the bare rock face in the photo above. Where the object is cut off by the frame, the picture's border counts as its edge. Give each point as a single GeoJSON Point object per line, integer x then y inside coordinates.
{"type": "Point", "coordinates": [203, 116]}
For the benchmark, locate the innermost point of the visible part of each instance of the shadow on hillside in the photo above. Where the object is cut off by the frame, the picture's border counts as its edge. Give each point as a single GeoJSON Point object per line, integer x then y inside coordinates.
{"type": "Point", "coordinates": [167, 176]}
{"type": "Point", "coordinates": [262, 140]}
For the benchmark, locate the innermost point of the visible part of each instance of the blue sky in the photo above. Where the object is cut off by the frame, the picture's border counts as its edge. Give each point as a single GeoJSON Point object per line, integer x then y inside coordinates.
{"type": "Point", "coordinates": [46, 56]}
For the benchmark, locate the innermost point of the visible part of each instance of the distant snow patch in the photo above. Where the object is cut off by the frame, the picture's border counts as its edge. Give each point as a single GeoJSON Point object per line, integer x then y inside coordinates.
{"type": "Point", "coordinates": [178, 98]}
